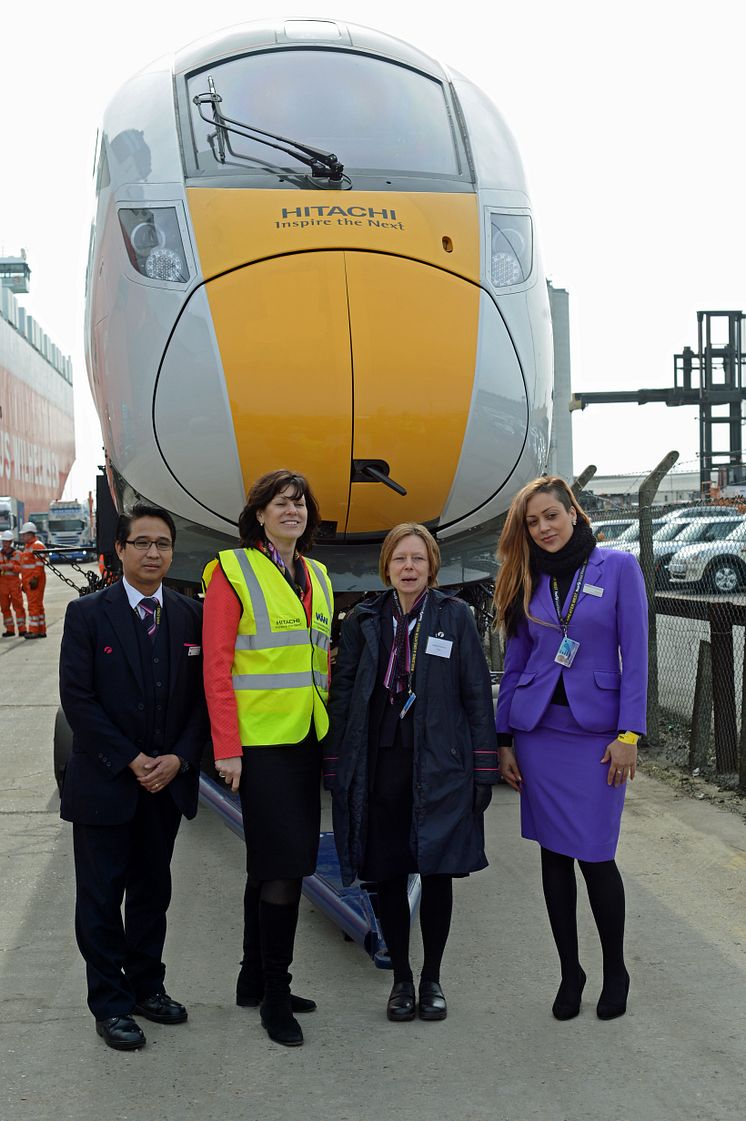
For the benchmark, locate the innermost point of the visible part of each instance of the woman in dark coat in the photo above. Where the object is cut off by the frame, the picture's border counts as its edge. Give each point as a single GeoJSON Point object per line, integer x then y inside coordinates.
{"type": "Point", "coordinates": [411, 755]}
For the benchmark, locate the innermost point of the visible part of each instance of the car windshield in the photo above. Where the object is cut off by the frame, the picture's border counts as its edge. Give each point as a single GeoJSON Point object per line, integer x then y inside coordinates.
{"type": "Point", "coordinates": [373, 114]}
{"type": "Point", "coordinates": [609, 531]}
{"type": "Point", "coordinates": [670, 530]}
{"type": "Point", "coordinates": [65, 525]}
{"type": "Point", "coordinates": [705, 531]}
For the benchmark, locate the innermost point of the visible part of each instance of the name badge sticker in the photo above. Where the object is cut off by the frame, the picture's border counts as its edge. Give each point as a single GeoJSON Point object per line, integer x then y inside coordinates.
{"type": "Point", "coordinates": [192, 651]}
{"type": "Point", "coordinates": [592, 590]}
{"type": "Point", "coordinates": [441, 647]}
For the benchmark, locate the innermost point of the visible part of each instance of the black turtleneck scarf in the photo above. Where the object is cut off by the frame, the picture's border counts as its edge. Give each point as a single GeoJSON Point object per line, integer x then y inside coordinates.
{"type": "Point", "coordinates": [563, 564]}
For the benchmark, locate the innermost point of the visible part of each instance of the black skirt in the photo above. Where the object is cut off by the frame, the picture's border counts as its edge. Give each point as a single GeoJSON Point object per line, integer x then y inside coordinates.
{"type": "Point", "coordinates": [281, 807]}
{"type": "Point", "coordinates": [388, 850]}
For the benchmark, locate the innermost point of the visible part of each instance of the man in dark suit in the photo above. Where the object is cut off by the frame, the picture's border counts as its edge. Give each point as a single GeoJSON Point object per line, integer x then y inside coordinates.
{"type": "Point", "coordinates": [131, 689]}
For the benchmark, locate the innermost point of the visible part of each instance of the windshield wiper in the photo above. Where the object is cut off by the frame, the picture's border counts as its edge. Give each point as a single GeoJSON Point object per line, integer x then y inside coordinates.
{"type": "Point", "coordinates": [323, 165]}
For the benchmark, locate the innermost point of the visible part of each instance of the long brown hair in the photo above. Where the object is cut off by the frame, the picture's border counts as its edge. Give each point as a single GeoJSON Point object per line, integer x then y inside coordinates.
{"type": "Point", "coordinates": [513, 584]}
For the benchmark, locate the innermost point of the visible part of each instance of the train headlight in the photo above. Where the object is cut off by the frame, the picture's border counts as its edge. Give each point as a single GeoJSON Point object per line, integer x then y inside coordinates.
{"type": "Point", "coordinates": [153, 242]}
{"type": "Point", "coordinates": [511, 249]}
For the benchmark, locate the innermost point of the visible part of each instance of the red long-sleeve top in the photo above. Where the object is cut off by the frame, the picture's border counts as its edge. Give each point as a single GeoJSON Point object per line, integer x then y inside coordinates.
{"type": "Point", "coordinates": [222, 615]}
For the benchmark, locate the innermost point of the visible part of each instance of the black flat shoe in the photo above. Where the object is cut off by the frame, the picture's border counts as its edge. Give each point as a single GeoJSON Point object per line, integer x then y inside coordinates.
{"type": "Point", "coordinates": [613, 999]}
{"type": "Point", "coordinates": [567, 1002]}
{"type": "Point", "coordinates": [161, 1009]}
{"type": "Point", "coordinates": [279, 1022]}
{"type": "Point", "coordinates": [401, 1004]}
{"type": "Point", "coordinates": [432, 1002]}
{"type": "Point", "coordinates": [121, 1033]}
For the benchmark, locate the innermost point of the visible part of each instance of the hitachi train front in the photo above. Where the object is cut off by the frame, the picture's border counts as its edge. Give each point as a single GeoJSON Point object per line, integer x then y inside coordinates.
{"type": "Point", "coordinates": [313, 247]}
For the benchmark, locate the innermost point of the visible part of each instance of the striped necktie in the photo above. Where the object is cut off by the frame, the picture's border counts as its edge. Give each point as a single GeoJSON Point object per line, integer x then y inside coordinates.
{"type": "Point", "coordinates": [151, 607]}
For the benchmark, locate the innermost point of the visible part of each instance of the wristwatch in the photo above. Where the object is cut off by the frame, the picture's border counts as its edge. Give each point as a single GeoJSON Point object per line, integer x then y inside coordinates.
{"type": "Point", "coordinates": [628, 737]}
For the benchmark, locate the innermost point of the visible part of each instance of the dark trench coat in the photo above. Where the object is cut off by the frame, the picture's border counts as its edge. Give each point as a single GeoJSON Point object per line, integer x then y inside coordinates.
{"type": "Point", "coordinates": [455, 743]}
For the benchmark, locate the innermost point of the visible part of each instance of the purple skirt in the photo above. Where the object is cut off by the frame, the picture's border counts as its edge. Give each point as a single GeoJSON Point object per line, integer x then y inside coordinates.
{"type": "Point", "coordinates": [566, 802]}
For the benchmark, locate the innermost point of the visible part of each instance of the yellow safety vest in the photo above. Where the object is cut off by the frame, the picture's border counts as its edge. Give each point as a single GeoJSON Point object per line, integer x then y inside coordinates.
{"type": "Point", "coordinates": [280, 666]}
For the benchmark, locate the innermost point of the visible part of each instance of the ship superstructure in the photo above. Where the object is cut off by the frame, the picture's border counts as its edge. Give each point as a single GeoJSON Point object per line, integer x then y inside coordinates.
{"type": "Point", "coordinates": [37, 430]}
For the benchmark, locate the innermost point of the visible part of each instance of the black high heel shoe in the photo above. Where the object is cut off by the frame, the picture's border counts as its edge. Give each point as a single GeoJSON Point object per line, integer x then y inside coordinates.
{"type": "Point", "coordinates": [567, 1002]}
{"type": "Point", "coordinates": [401, 1004]}
{"type": "Point", "coordinates": [613, 999]}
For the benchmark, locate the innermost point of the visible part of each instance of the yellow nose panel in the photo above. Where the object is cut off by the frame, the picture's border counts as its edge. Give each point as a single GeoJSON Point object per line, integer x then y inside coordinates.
{"type": "Point", "coordinates": [283, 331]}
{"type": "Point", "coordinates": [414, 340]}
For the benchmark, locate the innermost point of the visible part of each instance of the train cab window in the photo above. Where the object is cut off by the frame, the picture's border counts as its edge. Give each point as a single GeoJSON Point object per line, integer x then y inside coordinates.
{"type": "Point", "coordinates": [373, 114]}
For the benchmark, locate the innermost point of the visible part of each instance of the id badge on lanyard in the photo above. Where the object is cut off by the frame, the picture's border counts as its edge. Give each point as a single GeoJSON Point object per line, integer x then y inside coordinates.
{"type": "Point", "coordinates": [568, 647]}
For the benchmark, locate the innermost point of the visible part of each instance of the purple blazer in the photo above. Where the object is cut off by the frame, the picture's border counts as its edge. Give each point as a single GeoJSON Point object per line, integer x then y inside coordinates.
{"type": "Point", "coordinates": [607, 683]}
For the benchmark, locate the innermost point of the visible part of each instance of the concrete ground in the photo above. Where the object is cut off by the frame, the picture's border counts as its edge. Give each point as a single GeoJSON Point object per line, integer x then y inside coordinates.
{"type": "Point", "coordinates": [678, 1055]}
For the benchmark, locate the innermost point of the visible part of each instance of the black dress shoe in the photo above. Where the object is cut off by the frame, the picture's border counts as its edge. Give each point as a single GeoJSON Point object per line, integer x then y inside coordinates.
{"type": "Point", "coordinates": [401, 1004]}
{"type": "Point", "coordinates": [9, 634]}
{"type": "Point", "coordinates": [432, 1002]}
{"type": "Point", "coordinates": [121, 1033]}
{"type": "Point", "coordinates": [161, 1009]}
{"type": "Point", "coordinates": [613, 999]}
{"type": "Point", "coordinates": [567, 1002]}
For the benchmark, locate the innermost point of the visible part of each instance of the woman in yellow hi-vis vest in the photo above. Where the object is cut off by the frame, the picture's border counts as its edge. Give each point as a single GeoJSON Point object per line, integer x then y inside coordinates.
{"type": "Point", "coordinates": [266, 635]}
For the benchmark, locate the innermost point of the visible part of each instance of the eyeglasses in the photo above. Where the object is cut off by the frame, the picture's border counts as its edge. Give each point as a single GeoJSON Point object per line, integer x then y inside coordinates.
{"type": "Point", "coordinates": [142, 544]}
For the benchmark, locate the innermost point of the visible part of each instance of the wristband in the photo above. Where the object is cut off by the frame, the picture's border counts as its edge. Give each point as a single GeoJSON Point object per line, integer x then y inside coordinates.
{"type": "Point", "coordinates": [628, 737]}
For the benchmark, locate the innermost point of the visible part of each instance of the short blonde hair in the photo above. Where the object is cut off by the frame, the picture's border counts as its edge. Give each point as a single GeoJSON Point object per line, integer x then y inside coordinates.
{"type": "Point", "coordinates": [397, 534]}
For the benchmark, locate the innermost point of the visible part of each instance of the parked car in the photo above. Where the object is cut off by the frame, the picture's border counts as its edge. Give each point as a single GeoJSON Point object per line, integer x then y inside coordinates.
{"type": "Point", "coordinates": [699, 531]}
{"type": "Point", "coordinates": [714, 566]}
{"type": "Point", "coordinates": [663, 534]}
{"type": "Point", "coordinates": [631, 535]}
{"type": "Point", "coordinates": [608, 529]}
{"type": "Point", "coordinates": [704, 510]}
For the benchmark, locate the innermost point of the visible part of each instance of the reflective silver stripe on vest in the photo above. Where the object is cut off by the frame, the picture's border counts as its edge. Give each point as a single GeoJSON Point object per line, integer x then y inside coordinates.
{"type": "Point", "coordinates": [322, 580]}
{"type": "Point", "coordinates": [272, 680]}
{"type": "Point", "coordinates": [272, 640]}
{"type": "Point", "coordinates": [256, 595]}
{"type": "Point", "coordinates": [321, 640]}
{"type": "Point", "coordinates": [321, 679]}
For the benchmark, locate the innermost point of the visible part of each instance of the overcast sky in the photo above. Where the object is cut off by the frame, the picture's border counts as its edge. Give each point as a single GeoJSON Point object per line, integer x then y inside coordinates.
{"type": "Point", "coordinates": [629, 118]}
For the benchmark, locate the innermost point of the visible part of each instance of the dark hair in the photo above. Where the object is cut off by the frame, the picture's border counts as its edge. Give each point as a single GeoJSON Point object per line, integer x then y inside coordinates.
{"type": "Point", "coordinates": [141, 510]}
{"type": "Point", "coordinates": [263, 490]}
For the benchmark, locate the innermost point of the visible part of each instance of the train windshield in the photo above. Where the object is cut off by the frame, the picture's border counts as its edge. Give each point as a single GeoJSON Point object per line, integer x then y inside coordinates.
{"type": "Point", "coordinates": [374, 115]}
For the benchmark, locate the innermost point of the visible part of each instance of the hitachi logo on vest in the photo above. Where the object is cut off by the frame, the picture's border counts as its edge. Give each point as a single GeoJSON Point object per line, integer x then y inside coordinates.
{"type": "Point", "coordinates": [339, 211]}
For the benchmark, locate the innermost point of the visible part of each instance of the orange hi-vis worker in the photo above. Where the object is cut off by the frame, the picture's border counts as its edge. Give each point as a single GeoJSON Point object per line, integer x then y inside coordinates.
{"type": "Point", "coordinates": [33, 581]}
{"type": "Point", "coordinates": [10, 587]}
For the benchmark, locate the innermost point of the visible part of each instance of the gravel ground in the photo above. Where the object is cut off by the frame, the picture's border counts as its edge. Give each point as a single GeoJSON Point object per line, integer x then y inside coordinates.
{"type": "Point", "coordinates": [668, 761]}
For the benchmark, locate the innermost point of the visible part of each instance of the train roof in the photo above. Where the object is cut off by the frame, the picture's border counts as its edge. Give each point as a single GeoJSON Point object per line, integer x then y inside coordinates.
{"type": "Point", "coordinates": [232, 42]}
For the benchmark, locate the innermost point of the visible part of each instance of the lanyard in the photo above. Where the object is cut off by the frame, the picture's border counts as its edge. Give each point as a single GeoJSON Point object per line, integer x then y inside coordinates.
{"type": "Point", "coordinates": [415, 644]}
{"type": "Point", "coordinates": [565, 620]}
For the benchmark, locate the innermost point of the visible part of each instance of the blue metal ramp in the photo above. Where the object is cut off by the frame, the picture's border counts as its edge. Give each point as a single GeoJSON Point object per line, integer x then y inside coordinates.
{"type": "Point", "coordinates": [352, 909]}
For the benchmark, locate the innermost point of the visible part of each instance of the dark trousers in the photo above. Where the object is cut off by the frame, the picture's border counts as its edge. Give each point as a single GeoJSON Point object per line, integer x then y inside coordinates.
{"type": "Point", "coordinates": [129, 862]}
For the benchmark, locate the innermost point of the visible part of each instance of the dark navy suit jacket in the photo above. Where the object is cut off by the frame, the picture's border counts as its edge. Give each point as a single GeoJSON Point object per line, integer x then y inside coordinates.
{"type": "Point", "coordinates": [104, 698]}
{"type": "Point", "coordinates": [606, 685]}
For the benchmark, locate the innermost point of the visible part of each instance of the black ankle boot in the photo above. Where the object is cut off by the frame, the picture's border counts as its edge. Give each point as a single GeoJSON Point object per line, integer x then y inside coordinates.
{"type": "Point", "coordinates": [567, 1002]}
{"type": "Point", "coordinates": [613, 999]}
{"type": "Point", "coordinates": [279, 1021]}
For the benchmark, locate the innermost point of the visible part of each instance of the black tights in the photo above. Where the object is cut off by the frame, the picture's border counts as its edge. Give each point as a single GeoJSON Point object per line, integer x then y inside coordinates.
{"type": "Point", "coordinates": [436, 906]}
{"type": "Point", "coordinates": [606, 897]}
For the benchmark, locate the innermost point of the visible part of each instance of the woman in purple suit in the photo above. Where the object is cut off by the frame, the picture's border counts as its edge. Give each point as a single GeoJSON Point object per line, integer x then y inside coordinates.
{"type": "Point", "coordinates": [570, 711]}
